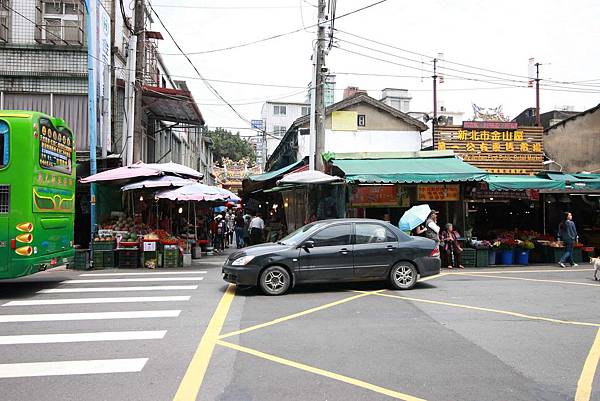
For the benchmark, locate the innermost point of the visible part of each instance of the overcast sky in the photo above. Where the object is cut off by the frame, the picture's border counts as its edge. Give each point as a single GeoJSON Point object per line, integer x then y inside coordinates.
{"type": "Point", "coordinates": [498, 36]}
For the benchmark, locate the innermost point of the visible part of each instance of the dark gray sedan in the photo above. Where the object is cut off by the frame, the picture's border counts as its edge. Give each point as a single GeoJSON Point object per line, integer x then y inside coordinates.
{"type": "Point", "coordinates": [335, 251]}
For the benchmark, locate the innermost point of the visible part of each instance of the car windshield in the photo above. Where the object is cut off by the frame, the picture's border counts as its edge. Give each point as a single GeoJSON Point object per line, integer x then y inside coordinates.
{"type": "Point", "coordinates": [294, 237]}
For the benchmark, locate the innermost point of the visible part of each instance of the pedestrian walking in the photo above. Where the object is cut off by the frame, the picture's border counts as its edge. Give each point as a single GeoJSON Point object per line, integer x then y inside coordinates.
{"type": "Point", "coordinates": [451, 247]}
{"type": "Point", "coordinates": [230, 221]}
{"type": "Point", "coordinates": [568, 234]}
{"type": "Point", "coordinates": [239, 230]}
{"type": "Point", "coordinates": [257, 225]}
{"type": "Point", "coordinates": [247, 219]}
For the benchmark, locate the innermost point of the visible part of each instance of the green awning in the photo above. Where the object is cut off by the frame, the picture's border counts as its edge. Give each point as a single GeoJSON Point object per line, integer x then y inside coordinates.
{"type": "Point", "coordinates": [521, 183]}
{"type": "Point", "coordinates": [417, 170]}
{"type": "Point", "coordinates": [577, 181]}
{"type": "Point", "coordinates": [275, 174]}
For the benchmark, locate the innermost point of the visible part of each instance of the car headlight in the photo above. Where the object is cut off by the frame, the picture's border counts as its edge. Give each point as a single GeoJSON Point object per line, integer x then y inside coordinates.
{"type": "Point", "coordinates": [244, 260]}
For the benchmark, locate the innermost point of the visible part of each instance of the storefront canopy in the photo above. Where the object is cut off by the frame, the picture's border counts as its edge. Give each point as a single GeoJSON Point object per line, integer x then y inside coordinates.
{"type": "Point", "coordinates": [276, 173]}
{"type": "Point", "coordinates": [174, 105]}
{"type": "Point", "coordinates": [417, 170]}
{"type": "Point", "coordinates": [521, 183]}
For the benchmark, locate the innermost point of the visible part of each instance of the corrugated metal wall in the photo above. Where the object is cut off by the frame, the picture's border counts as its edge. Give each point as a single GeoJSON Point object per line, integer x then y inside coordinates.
{"type": "Point", "coordinates": [71, 108]}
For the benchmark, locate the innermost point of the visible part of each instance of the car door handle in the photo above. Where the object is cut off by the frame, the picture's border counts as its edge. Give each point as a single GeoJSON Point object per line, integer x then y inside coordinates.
{"type": "Point", "coordinates": [390, 248]}
{"type": "Point", "coordinates": [344, 251]}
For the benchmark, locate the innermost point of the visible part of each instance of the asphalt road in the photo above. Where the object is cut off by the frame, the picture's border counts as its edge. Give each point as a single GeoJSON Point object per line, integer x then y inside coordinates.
{"type": "Point", "coordinates": [479, 334]}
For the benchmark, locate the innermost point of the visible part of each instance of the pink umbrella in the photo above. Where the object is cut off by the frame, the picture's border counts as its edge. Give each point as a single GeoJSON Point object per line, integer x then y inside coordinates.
{"type": "Point", "coordinates": [194, 192]}
{"type": "Point", "coordinates": [122, 173]}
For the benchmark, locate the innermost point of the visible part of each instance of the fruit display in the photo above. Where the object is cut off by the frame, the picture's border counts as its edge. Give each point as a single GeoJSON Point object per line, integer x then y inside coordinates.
{"type": "Point", "coordinates": [104, 238]}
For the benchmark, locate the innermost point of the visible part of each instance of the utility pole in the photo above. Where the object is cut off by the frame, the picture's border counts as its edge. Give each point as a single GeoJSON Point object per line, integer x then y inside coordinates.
{"type": "Point", "coordinates": [538, 118]}
{"type": "Point", "coordinates": [319, 83]}
{"type": "Point", "coordinates": [140, 31]}
{"type": "Point", "coordinates": [434, 121]}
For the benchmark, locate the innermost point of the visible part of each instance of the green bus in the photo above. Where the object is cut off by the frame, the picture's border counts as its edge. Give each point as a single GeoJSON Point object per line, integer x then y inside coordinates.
{"type": "Point", "coordinates": [37, 193]}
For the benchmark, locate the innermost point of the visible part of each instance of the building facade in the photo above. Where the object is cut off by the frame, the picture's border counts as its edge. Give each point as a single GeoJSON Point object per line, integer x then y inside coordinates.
{"type": "Point", "coordinates": [44, 67]}
{"type": "Point", "coordinates": [277, 118]}
{"type": "Point", "coordinates": [358, 123]}
{"type": "Point", "coordinates": [573, 144]}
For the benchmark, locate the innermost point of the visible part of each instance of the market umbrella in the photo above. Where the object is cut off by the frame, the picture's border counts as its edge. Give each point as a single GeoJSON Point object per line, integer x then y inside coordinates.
{"type": "Point", "coordinates": [414, 216]}
{"type": "Point", "coordinates": [230, 196]}
{"type": "Point", "coordinates": [308, 177]}
{"type": "Point", "coordinates": [193, 192]}
{"type": "Point", "coordinates": [122, 173]}
{"type": "Point", "coordinates": [159, 182]}
{"type": "Point", "coordinates": [173, 168]}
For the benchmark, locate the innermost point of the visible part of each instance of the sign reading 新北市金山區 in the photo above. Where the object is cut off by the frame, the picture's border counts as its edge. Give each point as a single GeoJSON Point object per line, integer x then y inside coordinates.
{"type": "Point", "coordinates": [438, 192]}
{"type": "Point", "coordinates": [498, 147]}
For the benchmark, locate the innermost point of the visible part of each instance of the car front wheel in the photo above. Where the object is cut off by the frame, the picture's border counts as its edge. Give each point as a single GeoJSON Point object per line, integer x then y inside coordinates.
{"type": "Point", "coordinates": [403, 276]}
{"type": "Point", "coordinates": [274, 280]}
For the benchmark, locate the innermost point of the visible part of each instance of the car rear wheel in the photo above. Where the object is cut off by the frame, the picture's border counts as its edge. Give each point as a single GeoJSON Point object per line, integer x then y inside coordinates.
{"type": "Point", "coordinates": [403, 276]}
{"type": "Point", "coordinates": [274, 280]}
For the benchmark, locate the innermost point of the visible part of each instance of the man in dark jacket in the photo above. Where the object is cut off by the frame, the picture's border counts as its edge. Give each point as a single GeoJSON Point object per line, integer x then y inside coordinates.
{"type": "Point", "coordinates": [568, 234]}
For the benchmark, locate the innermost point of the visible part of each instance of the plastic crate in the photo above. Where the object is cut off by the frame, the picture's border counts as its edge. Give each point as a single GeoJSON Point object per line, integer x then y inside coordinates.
{"type": "Point", "coordinates": [108, 258]}
{"type": "Point", "coordinates": [103, 245]}
{"type": "Point", "coordinates": [82, 259]}
{"type": "Point", "coordinates": [468, 257]}
{"type": "Point", "coordinates": [482, 257]}
{"type": "Point", "coordinates": [128, 258]}
{"type": "Point", "coordinates": [98, 260]}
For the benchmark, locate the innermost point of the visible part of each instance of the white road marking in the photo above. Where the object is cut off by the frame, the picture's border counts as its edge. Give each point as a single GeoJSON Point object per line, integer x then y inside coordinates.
{"type": "Point", "coordinates": [132, 280]}
{"type": "Point", "coordinates": [51, 317]}
{"type": "Point", "coordinates": [70, 301]}
{"type": "Point", "coordinates": [117, 289]}
{"type": "Point", "coordinates": [141, 274]}
{"type": "Point", "coordinates": [72, 367]}
{"type": "Point", "coordinates": [82, 337]}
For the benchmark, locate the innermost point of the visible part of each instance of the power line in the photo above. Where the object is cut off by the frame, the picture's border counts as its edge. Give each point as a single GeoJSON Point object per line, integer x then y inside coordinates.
{"type": "Point", "coordinates": [227, 7]}
{"type": "Point", "coordinates": [572, 90]}
{"type": "Point", "coordinates": [271, 37]}
{"type": "Point", "coordinates": [574, 83]}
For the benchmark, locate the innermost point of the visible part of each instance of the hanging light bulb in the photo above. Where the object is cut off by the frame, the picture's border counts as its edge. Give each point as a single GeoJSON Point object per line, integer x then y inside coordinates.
{"type": "Point", "coordinates": [141, 198]}
{"type": "Point", "coordinates": [180, 210]}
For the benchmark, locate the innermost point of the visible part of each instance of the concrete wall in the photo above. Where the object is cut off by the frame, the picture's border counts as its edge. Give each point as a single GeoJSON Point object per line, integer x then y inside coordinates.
{"type": "Point", "coordinates": [576, 143]}
{"type": "Point", "coordinates": [382, 133]}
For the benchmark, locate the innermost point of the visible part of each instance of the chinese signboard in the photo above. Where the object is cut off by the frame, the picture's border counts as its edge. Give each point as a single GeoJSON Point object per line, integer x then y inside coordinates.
{"type": "Point", "coordinates": [56, 148]}
{"type": "Point", "coordinates": [438, 192]}
{"type": "Point", "coordinates": [498, 147]}
{"type": "Point", "coordinates": [365, 196]}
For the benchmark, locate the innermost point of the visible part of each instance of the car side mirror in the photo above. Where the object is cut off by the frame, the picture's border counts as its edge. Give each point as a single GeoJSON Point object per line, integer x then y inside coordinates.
{"type": "Point", "coordinates": [308, 244]}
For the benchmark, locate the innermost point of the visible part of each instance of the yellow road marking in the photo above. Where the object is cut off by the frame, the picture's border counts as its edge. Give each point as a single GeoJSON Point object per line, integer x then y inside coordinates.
{"type": "Point", "coordinates": [529, 279]}
{"type": "Point", "coordinates": [432, 277]}
{"type": "Point", "coordinates": [190, 385]}
{"type": "Point", "coordinates": [295, 315]}
{"type": "Point", "coordinates": [529, 271]}
{"type": "Point", "coordinates": [321, 372]}
{"type": "Point", "coordinates": [500, 311]}
{"type": "Point", "coordinates": [584, 385]}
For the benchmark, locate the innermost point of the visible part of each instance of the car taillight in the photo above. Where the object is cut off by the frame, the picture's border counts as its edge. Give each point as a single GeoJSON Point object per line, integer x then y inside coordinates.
{"type": "Point", "coordinates": [435, 252]}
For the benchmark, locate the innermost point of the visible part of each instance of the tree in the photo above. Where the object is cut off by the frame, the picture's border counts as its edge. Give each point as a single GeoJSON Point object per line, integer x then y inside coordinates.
{"type": "Point", "coordinates": [229, 145]}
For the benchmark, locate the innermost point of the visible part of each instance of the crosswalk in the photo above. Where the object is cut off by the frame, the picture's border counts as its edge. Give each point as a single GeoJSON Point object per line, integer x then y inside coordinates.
{"type": "Point", "coordinates": [64, 311]}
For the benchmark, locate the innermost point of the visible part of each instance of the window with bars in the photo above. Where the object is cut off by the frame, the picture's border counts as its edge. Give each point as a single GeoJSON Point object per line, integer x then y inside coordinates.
{"type": "Point", "coordinates": [4, 20]}
{"type": "Point", "coordinates": [4, 198]}
{"type": "Point", "coordinates": [60, 22]}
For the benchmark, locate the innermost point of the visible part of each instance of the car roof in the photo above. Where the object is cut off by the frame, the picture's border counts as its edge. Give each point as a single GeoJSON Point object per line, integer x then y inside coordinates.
{"type": "Point", "coordinates": [352, 220]}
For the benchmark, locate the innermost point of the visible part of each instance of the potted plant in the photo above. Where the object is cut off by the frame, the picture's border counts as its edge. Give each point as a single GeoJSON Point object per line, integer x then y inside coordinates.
{"type": "Point", "coordinates": [522, 253]}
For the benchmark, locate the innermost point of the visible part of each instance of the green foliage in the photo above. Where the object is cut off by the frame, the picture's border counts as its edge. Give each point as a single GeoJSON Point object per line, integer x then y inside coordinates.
{"type": "Point", "coordinates": [231, 146]}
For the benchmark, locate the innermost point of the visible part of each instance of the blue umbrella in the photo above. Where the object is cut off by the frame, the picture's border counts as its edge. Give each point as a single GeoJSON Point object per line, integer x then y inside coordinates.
{"type": "Point", "coordinates": [414, 216]}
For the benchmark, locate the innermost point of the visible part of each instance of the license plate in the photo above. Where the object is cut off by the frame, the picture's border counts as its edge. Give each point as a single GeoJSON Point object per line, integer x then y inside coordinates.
{"type": "Point", "coordinates": [53, 262]}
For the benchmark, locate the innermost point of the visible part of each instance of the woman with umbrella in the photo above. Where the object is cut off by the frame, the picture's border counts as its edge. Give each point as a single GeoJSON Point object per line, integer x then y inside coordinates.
{"type": "Point", "coordinates": [423, 221]}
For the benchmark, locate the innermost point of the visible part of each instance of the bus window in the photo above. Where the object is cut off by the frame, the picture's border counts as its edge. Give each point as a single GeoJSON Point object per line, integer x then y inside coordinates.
{"type": "Point", "coordinates": [56, 147]}
{"type": "Point", "coordinates": [4, 144]}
